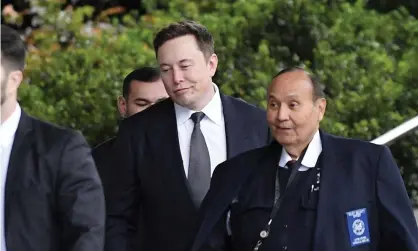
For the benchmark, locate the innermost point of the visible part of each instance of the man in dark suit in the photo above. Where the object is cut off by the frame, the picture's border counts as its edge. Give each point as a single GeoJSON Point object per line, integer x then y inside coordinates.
{"type": "Point", "coordinates": [308, 190]}
{"type": "Point", "coordinates": [141, 88]}
{"type": "Point", "coordinates": [52, 197]}
{"type": "Point", "coordinates": [167, 153]}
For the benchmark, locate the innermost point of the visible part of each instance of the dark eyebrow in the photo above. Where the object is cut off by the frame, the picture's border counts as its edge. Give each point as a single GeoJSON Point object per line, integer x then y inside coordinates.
{"type": "Point", "coordinates": [272, 97]}
{"type": "Point", "coordinates": [186, 61]}
{"type": "Point", "coordinates": [142, 99]}
{"type": "Point", "coordinates": [162, 65]}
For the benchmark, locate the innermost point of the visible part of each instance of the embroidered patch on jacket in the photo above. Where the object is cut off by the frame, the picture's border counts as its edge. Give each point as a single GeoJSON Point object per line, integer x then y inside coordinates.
{"type": "Point", "coordinates": [358, 227]}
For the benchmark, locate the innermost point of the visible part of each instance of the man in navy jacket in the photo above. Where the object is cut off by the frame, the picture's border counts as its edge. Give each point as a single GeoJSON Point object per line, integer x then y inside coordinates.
{"type": "Point", "coordinates": [308, 190]}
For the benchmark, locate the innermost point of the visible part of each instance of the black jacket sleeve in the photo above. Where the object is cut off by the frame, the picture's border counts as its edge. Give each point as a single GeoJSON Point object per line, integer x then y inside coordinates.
{"type": "Point", "coordinates": [398, 227]}
{"type": "Point", "coordinates": [80, 197]}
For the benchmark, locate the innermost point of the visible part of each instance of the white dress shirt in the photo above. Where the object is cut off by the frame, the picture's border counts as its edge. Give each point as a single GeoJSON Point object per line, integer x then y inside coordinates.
{"type": "Point", "coordinates": [311, 155]}
{"type": "Point", "coordinates": [213, 129]}
{"type": "Point", "coordinates": [7, 134]}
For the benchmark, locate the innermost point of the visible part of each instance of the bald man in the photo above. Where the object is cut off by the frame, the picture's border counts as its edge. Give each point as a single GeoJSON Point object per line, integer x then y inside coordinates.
{"type": "Point", "coordinates": [308, 190]}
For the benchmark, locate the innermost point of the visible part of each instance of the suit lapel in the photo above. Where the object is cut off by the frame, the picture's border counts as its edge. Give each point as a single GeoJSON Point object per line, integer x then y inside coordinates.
{"type": "Point", "coordinates": [235, 128]}
{"type": "Point", "coordinates": [171, 162]}
{"type": "Point", "coordinates": [332, 176]}
{"type": "Point", "coordinates": [22, 144]}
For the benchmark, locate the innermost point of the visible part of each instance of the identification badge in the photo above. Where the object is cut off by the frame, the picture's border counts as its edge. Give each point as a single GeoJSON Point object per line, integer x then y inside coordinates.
{"type": "Point", "coordinates": [358, 227]}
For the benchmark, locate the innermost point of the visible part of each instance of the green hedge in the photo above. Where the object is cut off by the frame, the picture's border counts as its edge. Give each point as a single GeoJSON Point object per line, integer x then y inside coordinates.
{"type": "Point", "coordinates": [366, 60]}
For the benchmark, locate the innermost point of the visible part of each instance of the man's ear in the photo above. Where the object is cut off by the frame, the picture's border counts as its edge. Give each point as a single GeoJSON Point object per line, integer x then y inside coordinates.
{"type": "Point", "coordinates": [122, 106]}
{"type": "Point", "coordinates": [213, 64]}
{"type": "Point", "coordinates": [322, 105]}
{"type": "Point", "coordinates": [14, 80]}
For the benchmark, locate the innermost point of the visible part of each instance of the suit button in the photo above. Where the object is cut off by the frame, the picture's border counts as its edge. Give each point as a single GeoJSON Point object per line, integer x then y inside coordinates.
{"type": "Point", "coordinates": [285, 226]}
{"type": "Point", "coordinates": [284, 247]}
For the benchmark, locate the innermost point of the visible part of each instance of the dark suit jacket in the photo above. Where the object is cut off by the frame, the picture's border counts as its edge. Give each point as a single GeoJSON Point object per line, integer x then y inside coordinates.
{"type": "Point", "coordinates": [53, 199]}
{"type": "Point", "coordinates": [354, 175]}
{"type": "Point", "coordinates": [150, 174]}
{"type": "Point", "coordinates": [103, 155]}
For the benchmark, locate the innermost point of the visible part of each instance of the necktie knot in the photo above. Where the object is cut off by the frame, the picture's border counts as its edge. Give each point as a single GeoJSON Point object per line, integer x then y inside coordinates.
{"type": "Point", "coordinates": [290, 164]}
{"type": "Point", "coordinates": [197, 117]}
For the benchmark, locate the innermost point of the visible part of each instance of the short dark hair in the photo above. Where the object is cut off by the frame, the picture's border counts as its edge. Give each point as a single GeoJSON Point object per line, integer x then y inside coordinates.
{"type": "Point", "coordinates": [143, 74]}
{"type": "Point", "coordinates": [203, 37]}
{"type": "Point", "coordinates": [317, 92]}
{"type": "Point", "coordinates": [13, 49]}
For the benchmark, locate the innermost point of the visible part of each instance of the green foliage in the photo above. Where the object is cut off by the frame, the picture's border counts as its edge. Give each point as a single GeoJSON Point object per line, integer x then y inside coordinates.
{"type": "Point", "coordinates": [365, 59]}
{"type": "Point", "coordinates": [367, 63]}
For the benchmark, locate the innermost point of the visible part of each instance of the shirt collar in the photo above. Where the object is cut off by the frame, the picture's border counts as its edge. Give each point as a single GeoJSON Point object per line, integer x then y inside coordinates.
{"type": "Point", "coordinates": [213, 110]}
{"type": "Point", "coordinates": [311, 155]}
{"type": "Point", "coordinates": [9, 127]}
